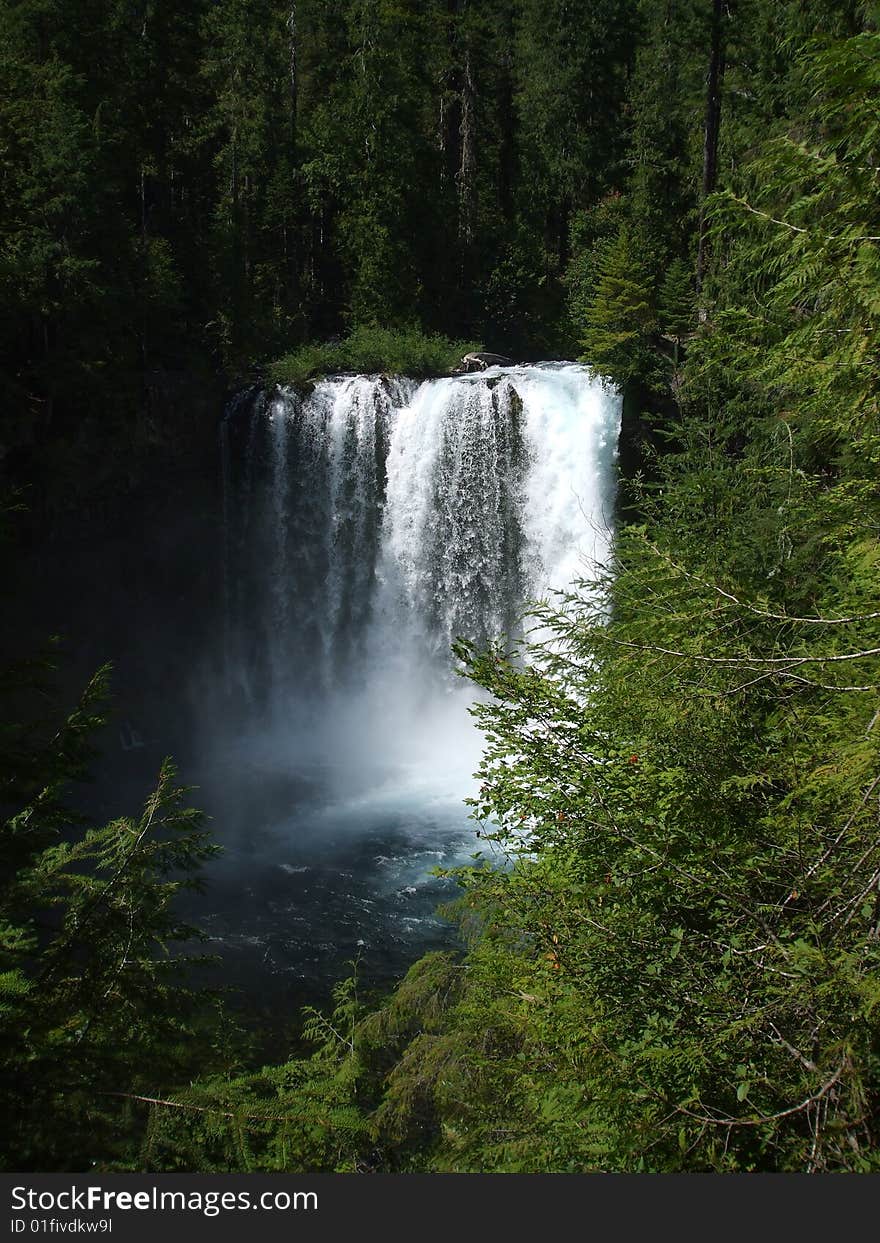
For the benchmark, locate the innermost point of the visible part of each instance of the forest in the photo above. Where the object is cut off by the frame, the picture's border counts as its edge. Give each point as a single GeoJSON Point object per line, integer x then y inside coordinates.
{"type": "Point", "coordinates": [668, 953]}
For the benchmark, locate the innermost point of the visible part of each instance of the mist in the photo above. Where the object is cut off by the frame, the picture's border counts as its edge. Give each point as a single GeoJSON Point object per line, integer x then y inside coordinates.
{"type": "Point", "coordinates": [366, 526]}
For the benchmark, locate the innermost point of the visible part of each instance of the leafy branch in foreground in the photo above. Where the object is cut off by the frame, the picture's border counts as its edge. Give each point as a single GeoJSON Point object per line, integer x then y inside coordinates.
{"type": "Point", "coordinates": [704, 858]}
{"type": "Point", "coordinates": [91, 996]}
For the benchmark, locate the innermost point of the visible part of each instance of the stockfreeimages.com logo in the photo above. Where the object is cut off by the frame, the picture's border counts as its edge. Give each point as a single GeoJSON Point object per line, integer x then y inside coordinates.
{"type": "Point", "coordinates": [208, 1203]}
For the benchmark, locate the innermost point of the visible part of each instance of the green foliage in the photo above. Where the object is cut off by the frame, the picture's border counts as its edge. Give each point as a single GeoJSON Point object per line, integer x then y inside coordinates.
{"type": "Point", "coordinates": [676, 302]}
{"type": "Point", "coordinates": [684, 791]}
{"type": "Point", "coordinates": [362, 1102]}
{"type": "Point", "coordinates": [673, 926]}
{"type": "Point", "coordinates": [572, 62]}
{"type": "Point", "coordinates": [592, 234]}
{"type": "Point", "coordinates": [621, 317]}
{"type": "Point", "coordinates": [304, 1115]}
{"type": "Point", "coordinates": [406, 351]}
{"type": "Point", "coordinates": [677, 968]}
{"type": "Point", "coordinates": [92, 1005]}
{"type": "Point", "coordinates": [673, 960]}
{"type": "Point", "coordinates": [197, 188]}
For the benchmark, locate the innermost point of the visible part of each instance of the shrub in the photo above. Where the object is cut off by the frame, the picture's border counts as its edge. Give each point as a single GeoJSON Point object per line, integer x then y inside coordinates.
{"type": "Point", "coordinates": [405, 351]}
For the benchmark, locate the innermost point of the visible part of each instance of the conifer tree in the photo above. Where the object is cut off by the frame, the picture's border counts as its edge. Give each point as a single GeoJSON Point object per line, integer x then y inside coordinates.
{"type": "Point", "coordinates": [676, 305]}
{"type": "Point", "coordinates": [621, 317]}
{"type": "Point", "coordinates": [93, 1007]}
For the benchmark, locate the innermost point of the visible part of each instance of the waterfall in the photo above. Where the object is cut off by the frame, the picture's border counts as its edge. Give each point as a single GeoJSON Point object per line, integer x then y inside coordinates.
{"type": "Point", "coordinates": [373, 520]}
{"type": "Point", "coordinates": [368, 522]}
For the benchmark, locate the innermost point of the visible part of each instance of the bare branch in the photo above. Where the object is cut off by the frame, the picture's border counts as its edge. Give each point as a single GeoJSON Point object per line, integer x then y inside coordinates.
{"type": "Point", "coordinates": [786, 224]}
{"type": "Point", "coordinates": [763, 1119]}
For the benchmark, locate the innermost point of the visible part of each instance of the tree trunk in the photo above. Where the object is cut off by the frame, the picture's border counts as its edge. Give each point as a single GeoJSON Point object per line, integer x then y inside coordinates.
{"type": "Point", "coordinates": [507, 144]}
{"type": "Point", "coordinates": [293, 85]}
{"type": "Point", "coordinates": [466, 179]}
{"type": "Point", "coordinates": [712, 129]}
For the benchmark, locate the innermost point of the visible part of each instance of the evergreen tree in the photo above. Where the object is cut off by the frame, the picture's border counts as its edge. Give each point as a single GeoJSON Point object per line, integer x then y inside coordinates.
{"type": "Point", "coordinates": [93, 1008]}
{"type": "Point", "coordinates": [621, 316]}
{"type": "Point", "coordinates": [676, 304]}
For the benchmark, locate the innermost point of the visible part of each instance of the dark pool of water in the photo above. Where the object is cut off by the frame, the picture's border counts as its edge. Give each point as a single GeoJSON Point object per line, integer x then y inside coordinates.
{"type": "Point", "coordinates": [315, 877]}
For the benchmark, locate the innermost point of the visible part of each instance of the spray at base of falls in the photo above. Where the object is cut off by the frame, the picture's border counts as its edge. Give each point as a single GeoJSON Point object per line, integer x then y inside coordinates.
{"type": "Point", "coordinates": [375, 520]}
{"type": "Point", "coordinates": [368, 524]}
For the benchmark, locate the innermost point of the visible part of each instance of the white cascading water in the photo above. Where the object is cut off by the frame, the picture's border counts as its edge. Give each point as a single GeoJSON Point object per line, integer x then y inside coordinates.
{"type": "Point", "coordinates": [368, 524]}
{"type": "Point", "coordinates": [375, 520]}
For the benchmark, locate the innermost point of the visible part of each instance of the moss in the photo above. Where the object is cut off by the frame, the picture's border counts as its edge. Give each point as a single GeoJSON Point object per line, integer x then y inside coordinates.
{"type": "Point", "coordinates": [367, 350]}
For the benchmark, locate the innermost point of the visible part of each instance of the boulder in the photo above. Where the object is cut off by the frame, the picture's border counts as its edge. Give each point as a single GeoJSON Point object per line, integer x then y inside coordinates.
{"type": "Point", "coordinates": [480, 361]}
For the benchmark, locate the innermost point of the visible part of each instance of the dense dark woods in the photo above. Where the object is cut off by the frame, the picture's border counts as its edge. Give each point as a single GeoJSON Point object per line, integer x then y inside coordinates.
{"type": "Point", "coordinates": [190, 190]}
{"type": "Point", "coordinates": [673, 937]}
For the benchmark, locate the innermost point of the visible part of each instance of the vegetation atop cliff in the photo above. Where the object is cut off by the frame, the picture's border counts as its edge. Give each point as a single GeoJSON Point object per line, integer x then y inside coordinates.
{"type": "Point", "coordinates": [368, 350]}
